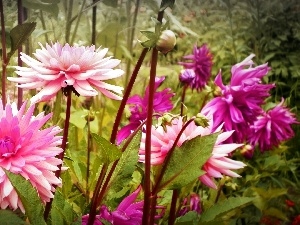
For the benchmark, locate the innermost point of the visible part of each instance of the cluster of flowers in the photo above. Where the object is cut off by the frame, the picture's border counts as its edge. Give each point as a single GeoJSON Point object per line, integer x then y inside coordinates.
{"type": "Point", "coordinates": [236, 114]}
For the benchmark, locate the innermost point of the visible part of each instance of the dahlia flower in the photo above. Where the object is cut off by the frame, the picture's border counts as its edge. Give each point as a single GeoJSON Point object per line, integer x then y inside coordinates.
{"type": "Point", "coordinates": [193, 205]}
{"type": "Point", "coordinates": [240, 101]}
{"type": "Point", "coordinates": [272, 127]}
{"type": "Point", "coordinates": [163, 138]}
{"type": "Point", "coordinates": [28, 150]}
{"type": "Point", "coordinates": [139, 107]}
{"type": "Point", "coordinates": [127, 213]}
{"type": "Point", "coordinates": [79, 68]}
{"type": "Point", "coordinates": [201, 62]}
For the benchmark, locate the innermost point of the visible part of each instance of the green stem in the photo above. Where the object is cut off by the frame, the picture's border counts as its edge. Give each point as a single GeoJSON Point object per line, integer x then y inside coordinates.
{"type": "Point", "coordinates": [94, 21]}
{"type": "Point", "coordinates": [182, 99]}
{"type": "Point", "coordinates": [77, 22]}
{"type": "Point", "coordinates": [63, 146]}
{"type": "Point", "coordinates": [69, 22]}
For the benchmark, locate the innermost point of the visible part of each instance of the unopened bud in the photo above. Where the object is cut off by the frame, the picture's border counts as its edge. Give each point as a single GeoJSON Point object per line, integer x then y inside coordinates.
{"type": "Point", "coordinates": [247, 151]}
{"type": "Point", "coordinates": [201, 120]}
{"type": "Point", "coordinates": [166, 41]}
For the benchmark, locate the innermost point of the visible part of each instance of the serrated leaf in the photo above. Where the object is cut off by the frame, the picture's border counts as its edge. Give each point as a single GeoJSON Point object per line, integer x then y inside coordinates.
{"type": "Point", "coordinates": [62, 211]}
{"type": "Point", "coordinates": [186, 162]}
{"type": "Point", "coordinates": [108, 152]}
{"type": "Point", "coordinates": [29, 197]}
{"type": "Point", "coordinates": [222, 207]}
{"type": "Point", "coordinates": [8, 217]}
{"type": "Point", "coordinates": [18, 35]}
{"type": "Point", "coordinates": [189, 218]}
{"type": "Point", "coordinates": [165, 4]}
{"type": "Point", "coordinates": [126, 165]}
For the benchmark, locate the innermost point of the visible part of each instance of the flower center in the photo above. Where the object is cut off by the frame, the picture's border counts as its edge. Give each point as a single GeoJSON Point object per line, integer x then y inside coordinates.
{"type": "Point", "coordinates": [7, 146]}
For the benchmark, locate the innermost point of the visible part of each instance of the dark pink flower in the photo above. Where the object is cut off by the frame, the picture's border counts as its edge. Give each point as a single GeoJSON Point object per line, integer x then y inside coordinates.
{"type": "Point", "coordinates": [201, 63]}
{"type": "Point", "coordinates": [139, 107]}
{"type": "Point", "coordinates": [128, 212]}
{"type": "Point", "coordinates": [240, 101]}
{"type": "Point", "coordinates": [193, 205]}
{"type": "Point", "coordinates": [64, 66]}
{"type": "Point", "coordinates": [272, 127]}
{"type": "Point", "coordinates": [29, 150]}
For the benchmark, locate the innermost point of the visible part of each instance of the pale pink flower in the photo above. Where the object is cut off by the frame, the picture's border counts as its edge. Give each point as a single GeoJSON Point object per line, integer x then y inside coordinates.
{"type": "Point", "coordinates": [79, 68]}
{"type": "Point", "coordinates": [162, 140]}
{"type": "Point", "coordinates": [28, 150]}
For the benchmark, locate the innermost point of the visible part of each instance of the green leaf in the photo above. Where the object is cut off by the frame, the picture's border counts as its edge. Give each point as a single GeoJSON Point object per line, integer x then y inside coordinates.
{"type": "Point", "coordinates": [149, 34]}
{"type": "Point", "coordinates": [188, 219]}
{"type": "Point", "coordinates": [18, 35]}
{"type": "Point", "coordinates": [186, 162]}
{"type": "Point", "coordinates": [223, 207]}
{"type": "Point", "coordinates": [62, 210]}
{"type": "Point", "coordinates": [29, 197]}
{"type": "Point", "coordinates": [165, 4]}
{"type": "Point", "coordinates": [109, 152]}
{"type": "Point", "coordinates": [7, 217]}
{"type": "Point", "coordinates": [126, 165]}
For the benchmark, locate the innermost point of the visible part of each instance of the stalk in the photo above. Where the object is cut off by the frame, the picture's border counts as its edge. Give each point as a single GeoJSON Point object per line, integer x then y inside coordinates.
{"type": "Point", "coordinates": [20, 21]}
{"type": "Point", "coordinates": [63, 146]}
{"type": "Point", "coordinates": [4, 56]}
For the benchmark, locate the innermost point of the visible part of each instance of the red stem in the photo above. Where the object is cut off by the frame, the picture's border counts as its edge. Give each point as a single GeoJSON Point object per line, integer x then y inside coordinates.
{"type": "Point", "coordinates": [172, 214]}
{"type": "Point", "coordinates": [126, 96]}
{"type": "Point", "coordinates": [63, 146]}
{"type": "Point", "coordinates": [4, 56]}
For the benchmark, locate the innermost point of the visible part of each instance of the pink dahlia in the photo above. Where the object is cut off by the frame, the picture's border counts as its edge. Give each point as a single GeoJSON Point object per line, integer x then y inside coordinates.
{"type": "Point", "coordinates": [163, 138]}
{"type": "Point", "coordinates": [201, 63]}
{"type": "Point", "coordinates": [139, 107]}
{"type": "Point", "coordinates": [240, 102]}
{"type": "Point", "coordinates": [28, 150]}
{"type": "Point", "coordinates": [272, 127]}
{"type": "Point", "coordinates": [79, 68]}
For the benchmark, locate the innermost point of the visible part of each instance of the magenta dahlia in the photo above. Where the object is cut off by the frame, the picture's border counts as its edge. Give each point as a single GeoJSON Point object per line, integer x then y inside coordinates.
{"type": "Point", "coordinates": [139, 107]}
{"type": "Point", "coordinates": [79, 68]}
{"type": "Point", "coordinates": [28, 150]}
{"type": "Point", "coordinates": [201, 63]}
{"type": "Point", "coordinates": [240, 102]}
{"type": "Point", "coordinates": [272, 127]}
{"type": "Point", "coordinates": [128, 212]}
{"type": "Point", "coordinates": [192, 203]}
{"type": "Point", "coordinates": [163, 138]}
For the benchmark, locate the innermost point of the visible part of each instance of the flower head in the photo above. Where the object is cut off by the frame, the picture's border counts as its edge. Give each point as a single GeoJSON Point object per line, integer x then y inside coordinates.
{"type": "Point", "coordinates": [28, 150]}
{"type": "Point", "coordinates": [128, 212]}
{"type": "Point", "coordinates": [139, 107]}
{"type": "Point", "coordinates": [193, 205]}
{"type": "Point", "coordinates": [79, 68]}
{"type": "Point", "coordinates": [272, 127]}
{"type": "Point", "coordinates": [201, 62]}
{"type": "Point", "coordinates": [240, 102]}
{"type": "Point", "coordinates": [162, 140]}
{"type": "Point", "coordinates": [166, 41]}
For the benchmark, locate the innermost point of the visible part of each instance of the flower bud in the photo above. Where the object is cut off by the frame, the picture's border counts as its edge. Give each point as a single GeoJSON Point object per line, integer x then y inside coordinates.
{"type": "Point", "coordinates": [166, 41]}
{"type": "Point", "coordinates": [247, 151]}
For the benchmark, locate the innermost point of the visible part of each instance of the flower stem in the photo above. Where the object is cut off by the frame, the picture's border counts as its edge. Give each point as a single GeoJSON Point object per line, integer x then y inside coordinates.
{"type": "Point", "coordinates": [97, 198]}
{"type": "Point", "coordinates": [63, 146]}
{"type": "Point", "coordinates": [126, 96]}
{"type": "Point", "coordinates": [20, 21]}
{"type": "Point", "coordinates": [4, 56]}
{"type": "Point", "coordinates": [89, 149]}
{"type": "Point", "coordinates": [147, 180]}
{"type": "Point", "coordinates": [182, 99]}
{"type": "Point", "coordinates": [172, 214]}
